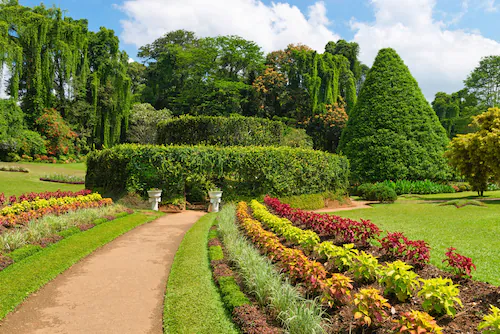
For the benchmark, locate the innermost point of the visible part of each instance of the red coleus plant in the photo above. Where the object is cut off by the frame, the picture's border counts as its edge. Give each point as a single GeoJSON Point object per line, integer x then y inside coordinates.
{"type": "Point", "coordinates": [349, 230]}
{"type": "Point", "coordinates": [461, 265]}
{"type": "Point", "coordinates": [416, 252]}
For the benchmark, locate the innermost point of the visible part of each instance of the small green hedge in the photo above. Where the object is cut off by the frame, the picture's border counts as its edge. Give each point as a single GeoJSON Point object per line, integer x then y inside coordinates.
{"type": "Point", "coordinates": [377, 192]}
{"type": "Point", "coordinates": [238, 171]}
{"type": "Point", "coordinates": [221, 131]}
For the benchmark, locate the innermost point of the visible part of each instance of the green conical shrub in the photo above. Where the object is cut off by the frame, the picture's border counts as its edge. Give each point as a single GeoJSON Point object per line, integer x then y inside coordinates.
{"type": "Point", "coordinates": [392, 132]}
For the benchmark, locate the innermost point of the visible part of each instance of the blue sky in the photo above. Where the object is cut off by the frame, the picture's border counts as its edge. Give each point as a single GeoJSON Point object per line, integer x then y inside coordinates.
{"type": "Point", "coordinates": [440, 40]}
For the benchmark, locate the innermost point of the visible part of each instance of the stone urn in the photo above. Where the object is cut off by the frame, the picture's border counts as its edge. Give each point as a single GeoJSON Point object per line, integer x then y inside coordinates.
{"type": "Point", "coordinates": [215, 199]}
{"type": "Point", "coordinates": [154, 198]}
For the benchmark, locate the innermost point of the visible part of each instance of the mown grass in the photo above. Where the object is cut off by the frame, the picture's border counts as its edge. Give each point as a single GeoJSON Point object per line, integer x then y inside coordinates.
{"type": "Point", "coordinates": [473, 230]}
{"type": "Point", "coordinates": [192, 301]}
{"type": "Point", "coordinates": [27, 276]}
{"type": "Point", "coordinates": [12, 183]}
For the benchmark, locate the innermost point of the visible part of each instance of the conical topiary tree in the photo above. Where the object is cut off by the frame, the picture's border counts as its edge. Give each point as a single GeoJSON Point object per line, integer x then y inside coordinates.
{"type": "Point", "coordinates": [392, 132]}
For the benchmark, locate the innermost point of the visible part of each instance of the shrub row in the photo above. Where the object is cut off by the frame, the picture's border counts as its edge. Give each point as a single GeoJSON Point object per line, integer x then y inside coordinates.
{"type": "Point", "coordinates": [349, 230]}
{"type": "Point", "coordinates": [402, 187]}
{"type": "Point", "coordinates": [269, 288]}
{"type": "Point", "coordinates": [43, 195]}
{"type": "Point", "coordinates": [238, 171]}
{"type": "Point", "coordinates": [245, 315]}
{"type": "Point", "coordinates": [377, 192]}
{"type": "Point", "coordinates": [226, 131]}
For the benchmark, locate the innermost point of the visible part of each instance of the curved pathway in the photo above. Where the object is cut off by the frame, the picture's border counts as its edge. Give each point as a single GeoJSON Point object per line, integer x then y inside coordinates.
{"type": "Point", "coordinates": [117, 289]}
{"type": "Point", "coordinates": [354, 206]}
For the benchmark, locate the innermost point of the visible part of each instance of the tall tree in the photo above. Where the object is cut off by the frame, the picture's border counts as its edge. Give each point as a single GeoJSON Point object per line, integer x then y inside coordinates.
{"type": "Point", "coordinates": [392, 132]}
{"type": "Point", "coordinates": [484, 81]}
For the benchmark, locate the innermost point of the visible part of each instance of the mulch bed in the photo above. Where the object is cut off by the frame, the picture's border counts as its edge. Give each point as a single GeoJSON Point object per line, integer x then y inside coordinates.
{"type": "Point", "coordinates": [49, 240]}
{"type": "Point", "coordinates": [5, 261]}
{"type": "Point", "coordinates": [85, 227]}
{"type": "Point", "coordinates": [58, 181]}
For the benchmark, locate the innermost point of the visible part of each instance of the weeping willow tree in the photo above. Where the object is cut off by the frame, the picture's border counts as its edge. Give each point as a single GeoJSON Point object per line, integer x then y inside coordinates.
{"type": "Point", "coordinates": [300, 83]}
{"type": "Point", "coordinates": [55, 62]}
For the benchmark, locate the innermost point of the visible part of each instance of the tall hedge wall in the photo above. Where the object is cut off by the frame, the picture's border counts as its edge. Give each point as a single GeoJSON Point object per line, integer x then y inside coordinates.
{"type": "Point", "coordinates": [239, 171]}
{"type": "Point", "coordinates": [220, 131]}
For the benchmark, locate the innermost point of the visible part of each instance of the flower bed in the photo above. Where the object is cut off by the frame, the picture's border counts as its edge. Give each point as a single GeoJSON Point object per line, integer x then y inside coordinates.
{"type": "Point", "coordinates": [43, 195]}
{"type": "Point", "coordinates": [437, 295]}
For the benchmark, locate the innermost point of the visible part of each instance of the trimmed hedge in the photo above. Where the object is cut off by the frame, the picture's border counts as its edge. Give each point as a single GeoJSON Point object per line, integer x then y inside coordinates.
{"type": "Point", "coordinates": [238, 171]}
{"type": "Point", "coordinates": [226, 131]}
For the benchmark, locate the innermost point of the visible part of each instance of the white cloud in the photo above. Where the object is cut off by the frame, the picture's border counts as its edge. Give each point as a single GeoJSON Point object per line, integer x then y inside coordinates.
{"type": "Point", "coordinates": [272, 27]}
{"type": "Point", "coordinates": [438, 57]}
{"type": "Point", "coordinates": [490, 5]}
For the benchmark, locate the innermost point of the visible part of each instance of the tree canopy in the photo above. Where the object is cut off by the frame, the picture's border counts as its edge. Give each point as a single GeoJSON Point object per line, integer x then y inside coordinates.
{"type": "Point", "coordinates": [392, 132]}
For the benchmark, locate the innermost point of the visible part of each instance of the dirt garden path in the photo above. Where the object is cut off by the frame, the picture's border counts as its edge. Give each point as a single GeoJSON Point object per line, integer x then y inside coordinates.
{"type": "Point", "coordinates": [117, 289]}
{"type": "Point", "coordinates": [353, 206]}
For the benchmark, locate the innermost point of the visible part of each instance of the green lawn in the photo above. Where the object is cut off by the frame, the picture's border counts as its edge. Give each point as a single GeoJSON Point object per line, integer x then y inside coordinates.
{"type": "Point", "coordinates": [18, 183]}
{"type": "Point", "coordinates": [474, 231]}
{"type": "Point", "coordinates": [21, 279]}
{"type": "Point", "coordinates": [192, 301]}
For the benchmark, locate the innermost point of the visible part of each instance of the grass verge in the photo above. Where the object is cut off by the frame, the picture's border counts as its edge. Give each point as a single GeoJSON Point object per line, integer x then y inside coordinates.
{"type": "Point", "coordinates": [27, 276]}
{"type": "Point", "coordinates": [192, 302]}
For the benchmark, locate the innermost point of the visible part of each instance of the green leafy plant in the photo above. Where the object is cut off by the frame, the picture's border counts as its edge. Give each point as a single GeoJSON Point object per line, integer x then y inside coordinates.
{"type": "Point", "coordinates": [365, 267]}
{"type": "Point", "coordinates": [439, 296]}
{"type": "Point", "coordinates": [370, 307]}
{"type": "Point", "coordinates": [491, 322]}
{"type": "Point", "coordinates": [377, 192]}
{"type": "Point", "coordinates": [398, 279]}
{"type": "Point", "coordinates": [415, 322]}
{"type": "Point", "coordinates": [342, 256]}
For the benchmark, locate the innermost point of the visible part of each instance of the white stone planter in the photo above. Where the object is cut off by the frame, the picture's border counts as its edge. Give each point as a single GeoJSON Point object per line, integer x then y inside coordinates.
{"type": "Point", "coordinates": [154, 198]}
{"type": "Point", "coordinates": [215, 199]}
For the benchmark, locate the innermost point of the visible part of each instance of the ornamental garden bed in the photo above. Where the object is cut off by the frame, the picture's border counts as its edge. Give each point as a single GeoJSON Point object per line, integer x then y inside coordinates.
{"type": "Point", "coordinates": [346, 281]}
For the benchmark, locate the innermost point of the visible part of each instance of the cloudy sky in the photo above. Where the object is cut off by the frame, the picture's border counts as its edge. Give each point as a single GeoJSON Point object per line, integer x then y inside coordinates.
{"type": "Point", "coordinates": [440, 40]}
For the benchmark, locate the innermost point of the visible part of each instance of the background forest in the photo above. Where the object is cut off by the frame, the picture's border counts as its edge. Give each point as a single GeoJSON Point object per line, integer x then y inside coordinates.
{"type": "Point", "coordinates": [69, 90]}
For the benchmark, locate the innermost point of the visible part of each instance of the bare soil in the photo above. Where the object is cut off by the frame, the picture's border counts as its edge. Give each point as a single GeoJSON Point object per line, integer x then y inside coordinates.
{"type": "Point", "coordinates": [117, 289]}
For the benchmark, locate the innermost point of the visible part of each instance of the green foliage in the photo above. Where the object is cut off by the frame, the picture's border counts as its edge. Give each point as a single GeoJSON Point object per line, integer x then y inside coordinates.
{"type": "Point", "coordinates": [293, 137]}
{"type": "Point", "coordinates": [215, 253]}
{"type": "Point", "coordinates": [370, 307]}
{"type": "Point", "coordinates": [365, 267]}
{"type": "Point", "coordinates": [439, 296]}
{"type": "Point", "coordinates": [143, 123]}
{"type": "Point", "coordinates": [377, 192]}
{"type": "Point", "coordinates": [23, 252]}
{"type": "Point", "coordinates": [416, 322]}
{"type": "Point", "coordinates": [392, 132]}
{"type": "Point", "coordinates": [460, 203]}
{"type": "Point", "coordinates": [221, 131]}
{"type": "Point", "coordinates": [238, 171]}
{"type": "Point", "coordinates": [491, 322]}
{"type": "Point", "coordinates": [305, 202]}
{"type": "Point", "coordinates": [71, 231]}
{"type": "Point", "coordinates": [342, 257]}
{"type": "Point", "coordinates": [232, 296]}
{"type": "Point", "coordinates": [484, 81]}
{"type": "Point", "coordinates": [418, 187]}
{"type": "Point", "coordinates": [476, 155]}
{"type": "Point", "coordinates": [398, 279]}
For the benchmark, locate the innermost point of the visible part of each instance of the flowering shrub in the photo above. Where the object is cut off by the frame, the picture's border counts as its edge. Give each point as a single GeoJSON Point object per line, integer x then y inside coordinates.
{"type": "Point", "coordinates": [45, 195]}
{"type": "Point", "coordinates": [416, 322]}
{"type": "Point", "coordinates": [460, 264]}
{"type": "Point", "coordinates": [60, 139]}
{"type": "Point", "coordinates": [370, 307]}
{"type": "Point", "coordinates": [416, 252]}
{"type": "Point", "coordinates": [349, 230]}
{"type": "Point", "coordinates": [439, 296]}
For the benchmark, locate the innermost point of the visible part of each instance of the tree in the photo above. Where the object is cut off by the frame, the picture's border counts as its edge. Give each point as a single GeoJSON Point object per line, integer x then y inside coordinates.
{"type": "Point", "coordinates": [484, 81]}
{"type": "Point", "coordinates": [476, 155]}
{"type": "Point", "coordinates": [144, 119]}
{"type": "Point", "coordinates": [392, 132]}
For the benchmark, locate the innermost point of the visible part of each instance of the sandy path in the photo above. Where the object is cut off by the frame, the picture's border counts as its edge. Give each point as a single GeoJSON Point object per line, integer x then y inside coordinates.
{"type": "Point", "coordinates": [354, 206]}
{"type": "Point", "coordinates": [117, 289]}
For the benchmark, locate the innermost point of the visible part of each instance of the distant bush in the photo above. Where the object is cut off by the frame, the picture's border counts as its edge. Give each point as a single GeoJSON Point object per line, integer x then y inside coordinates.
{"type": "Point", "coordinates": [418, 187]}
{"type": "Point", "coordinates": [377, 192]}
{"type": "Point", "coordinates": [229, 131]}
{"type": "Point", "coordinates": [143, 123]}
{"type": "Point", "coordinates": [238, 171]}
